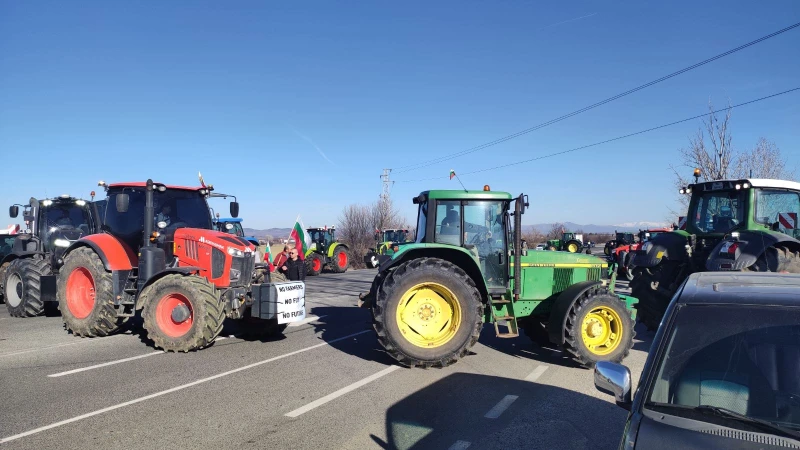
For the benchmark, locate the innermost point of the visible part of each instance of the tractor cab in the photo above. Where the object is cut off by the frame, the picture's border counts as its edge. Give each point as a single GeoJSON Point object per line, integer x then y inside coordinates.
{"type": "Point", "coordinates": [624, 238]}
{"type": "Point", "coordinates": [321, 238]}
{"type": "Point", "coordinates": [397, 236]}
{"type": "Point", "coordinates": [54, 224]}
{"type": "Point", "coordinates": [233, 226]}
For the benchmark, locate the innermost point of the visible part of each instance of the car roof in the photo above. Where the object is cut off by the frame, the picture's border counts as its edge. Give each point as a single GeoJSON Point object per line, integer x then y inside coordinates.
{"type": "Point", "coordinates": [751, 288]}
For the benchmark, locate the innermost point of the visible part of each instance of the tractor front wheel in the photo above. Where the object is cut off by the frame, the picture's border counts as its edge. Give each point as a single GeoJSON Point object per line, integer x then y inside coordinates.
{"type": "Point", "coordinates": [313, 264]}
{"type": "Point", "coordinates": [340, 259]}
{"type": "Point", "coordinates": [22, 286]}
{"type": "Point", "coordinates": [573, 247]}
{"type": "Point", "coordinates": [599, 328]}
{"type": "Point", "coordinates": [86, 295]}
{"type": "Point", "coordinates": [182, 313]}
{"type": "Point", "coordinates": [428, 313]}
{"type": "Point", "coordinates": [654, 287]}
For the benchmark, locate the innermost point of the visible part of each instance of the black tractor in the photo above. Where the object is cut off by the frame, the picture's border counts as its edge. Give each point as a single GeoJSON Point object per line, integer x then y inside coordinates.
{"type": "Point", "coordinates": [620, 240]}
{"type": "Point", "coordinates": [28, 271]}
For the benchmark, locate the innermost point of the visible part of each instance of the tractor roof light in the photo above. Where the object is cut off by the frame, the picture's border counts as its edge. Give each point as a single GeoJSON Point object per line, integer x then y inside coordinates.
{"type": "Point", "coordinates": [101, 183]}
{"type": "Point", "coordinates": [738, 186]}
{"type": "Point", "coordinates": [47, 202]}
{"type": "Point", "coordinates": [80, 202]}
{"type": "Point", "coordinates": [746, 185]}
{"type": "Point", "coordinates": [735, 235]}
{"type": "Point", "coordinates": [682, 191]}
{"type": "Point", "coordinates": [161, 188]}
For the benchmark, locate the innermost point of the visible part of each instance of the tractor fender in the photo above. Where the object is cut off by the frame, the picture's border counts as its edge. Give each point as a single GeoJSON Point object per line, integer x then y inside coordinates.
{"type": "Point", "coordinates": [561, 307]}
{"type": "Point", "coordinates": [671, 246]}
{"type": "Point", "coordinates": [333, 246]}
{"type": "Point", "coordinates": [112, 252]}
{"type": "Point", "coordinates": [188, 270]}
{"type": "Point", "coordinates": [455, 255]}
{"type": "Point", "coordinates": [752, 244]}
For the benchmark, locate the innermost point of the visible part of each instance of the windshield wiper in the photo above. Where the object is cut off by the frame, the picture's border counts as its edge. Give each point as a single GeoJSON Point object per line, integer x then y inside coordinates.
{"type": "Point", "coordinates": [764, 424]}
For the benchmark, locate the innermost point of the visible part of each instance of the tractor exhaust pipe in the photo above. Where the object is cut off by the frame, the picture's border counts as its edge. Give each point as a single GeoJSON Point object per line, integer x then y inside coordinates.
{"type": "Point", "coordinates": [518, 211]}
{"type": "Point", "coordinates": [149, 213]}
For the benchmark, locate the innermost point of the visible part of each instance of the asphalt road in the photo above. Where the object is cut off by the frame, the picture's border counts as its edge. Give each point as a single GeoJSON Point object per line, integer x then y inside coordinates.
{"type": "Point", "coordinates": [324, 385]}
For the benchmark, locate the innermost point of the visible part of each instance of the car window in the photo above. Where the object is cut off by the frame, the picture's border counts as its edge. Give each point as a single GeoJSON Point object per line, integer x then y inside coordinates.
{"type": "Point", "coordinates": [743, 358]}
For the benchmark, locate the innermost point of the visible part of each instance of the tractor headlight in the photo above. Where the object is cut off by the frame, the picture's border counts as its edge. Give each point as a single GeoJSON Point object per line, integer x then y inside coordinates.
{"type": "Point", "coordinates": [47, 202]}
{"type": "Point", "coordinates": [61, 243]}
{"type": "Point", "coordinates": [80, 202]}
{"type": "Point", "coordinates": [235, 252]}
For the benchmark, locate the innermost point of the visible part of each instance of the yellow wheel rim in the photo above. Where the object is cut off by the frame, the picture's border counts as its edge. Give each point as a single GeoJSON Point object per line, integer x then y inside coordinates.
{"type": "Point", "coordinates": [601, 330]}
{"type": "Point", "coordinates": [573, 248]}
{"type": "Point", "coordinates": [428, 315]}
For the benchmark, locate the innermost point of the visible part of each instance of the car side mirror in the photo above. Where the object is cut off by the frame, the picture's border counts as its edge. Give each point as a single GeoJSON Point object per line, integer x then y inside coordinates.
{"type": "Point", "coordinates": [13, 211]}
{"type": "Point", "coordinates": [234, 209]}
{"type": "Point", "coordinates": [615, 379]}
{"type": "Point", "coordinates": [122, 202]}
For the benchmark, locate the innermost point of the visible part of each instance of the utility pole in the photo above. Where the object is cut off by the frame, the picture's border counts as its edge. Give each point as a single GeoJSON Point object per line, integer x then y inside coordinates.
{"type": "Point", "coordinates": [387, 184]}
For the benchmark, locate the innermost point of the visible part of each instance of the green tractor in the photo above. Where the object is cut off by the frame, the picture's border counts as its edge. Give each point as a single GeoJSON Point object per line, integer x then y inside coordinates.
{"type": "Point", "coordinates": [324, 251]}
{"type": "Point", "coordinates": [569, 242]}
{"type": "Point", "coordinates": [466, 267]}
{"type": "Point", "coordinates": [731, 225]}
{"type": "Point", "coordinates": [387, 240]}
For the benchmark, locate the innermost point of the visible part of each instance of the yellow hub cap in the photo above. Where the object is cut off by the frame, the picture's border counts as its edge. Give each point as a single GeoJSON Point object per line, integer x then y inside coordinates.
{"type": "Point", "coordinates": [601, 330]}
{"type": "Point", "coordinates": [573, 248]}
{"type": "Point", "coordinates": [428, 315]}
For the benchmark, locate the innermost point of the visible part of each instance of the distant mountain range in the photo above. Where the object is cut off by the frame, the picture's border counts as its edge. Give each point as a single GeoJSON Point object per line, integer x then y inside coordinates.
{"type": "Point", "coordinates": [278, 233]}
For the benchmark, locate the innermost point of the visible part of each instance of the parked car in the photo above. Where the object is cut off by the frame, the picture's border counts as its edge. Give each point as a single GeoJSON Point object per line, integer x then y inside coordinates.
{"type": "Point", "coordinates": [540, 247]}
{"type": "Point", "coordinates": [723, 370]}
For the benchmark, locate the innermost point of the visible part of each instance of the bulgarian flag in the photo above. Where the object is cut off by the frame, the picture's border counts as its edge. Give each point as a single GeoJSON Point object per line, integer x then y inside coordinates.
{"type": "Point", "coordinates": [301, 238]}
{"type": "Point", "coordinates": [452, 173]}
{"type": "Point", "coordinates": [268, 253]}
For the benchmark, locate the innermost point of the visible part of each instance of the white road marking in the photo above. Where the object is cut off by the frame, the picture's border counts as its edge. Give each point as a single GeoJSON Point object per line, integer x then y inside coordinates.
{"type": "Point", "coordinates": [340, 392]}
{"type": "Point", "coordinates": [537, 372]}
{"type": "Point", "coordinates": [171, 390]}
{"type": "Point", "coordinates": [110, 363]}
{"type": "Point", "coordinates": [460, 445]}
{"type": "Point", "coordinates": [498, 409]}
{"type": "Point", "coordinates": [305, 321]}
{"type": "Point", "coordinates": [82, 341]}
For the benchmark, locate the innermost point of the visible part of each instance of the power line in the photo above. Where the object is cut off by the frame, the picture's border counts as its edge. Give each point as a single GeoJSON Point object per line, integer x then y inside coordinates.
{"type": "Point", "coordinates": [607, 140]}
{"type": "Point", "coordinates": [419, 165]}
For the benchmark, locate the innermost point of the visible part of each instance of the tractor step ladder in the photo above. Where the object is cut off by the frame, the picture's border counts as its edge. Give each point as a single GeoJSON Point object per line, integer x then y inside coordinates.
{"type": "Point", "coordinates": [510, 320]}
{"type": "Point", "coordinates": [127, 304]}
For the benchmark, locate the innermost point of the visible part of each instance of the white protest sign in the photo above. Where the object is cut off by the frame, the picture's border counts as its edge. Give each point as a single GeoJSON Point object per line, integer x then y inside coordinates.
{"type": "Point", "coordinates": [291, 301]}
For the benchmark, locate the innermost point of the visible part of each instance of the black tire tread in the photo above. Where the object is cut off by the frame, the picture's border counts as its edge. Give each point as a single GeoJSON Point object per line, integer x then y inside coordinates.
{"type": "Point", "coordinates": [572, 333]}
{"type": "Point", "coordinates": [213, 318]}
{"type": "Point", "coordinates": [385, 290]}
{"type": "Point", "coordinates": [30, 270]}
{"type": "Point", "coordinates": [103, 320]}
{"type": "Point", "coordinates": [334, 264]}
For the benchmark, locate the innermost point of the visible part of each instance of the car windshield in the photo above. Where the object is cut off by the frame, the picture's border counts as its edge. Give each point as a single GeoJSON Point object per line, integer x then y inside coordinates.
{"type": "Point", "coordinates": [741, 358]}
{"type": "Point", "coordinates": [718, 211]}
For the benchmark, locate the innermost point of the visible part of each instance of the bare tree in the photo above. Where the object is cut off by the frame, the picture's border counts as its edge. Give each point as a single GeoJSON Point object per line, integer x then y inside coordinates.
{"type": "Point", "coordinates": [385, 215]}
{"type": "Point", "coordinates": [556, 230]}
{"type": "Point", "coordinates": [711, 150]}
{"type": "Point", "coordinates": [357, 229]}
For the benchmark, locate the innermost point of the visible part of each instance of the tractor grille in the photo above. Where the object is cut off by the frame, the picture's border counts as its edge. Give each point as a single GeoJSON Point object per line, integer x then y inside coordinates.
{"type": "Point", "coordinates": [594, 274]}
{"type": "Point", "coordinates": [562, 279]}
{"type": "Point", "coordinates": [245, 266]}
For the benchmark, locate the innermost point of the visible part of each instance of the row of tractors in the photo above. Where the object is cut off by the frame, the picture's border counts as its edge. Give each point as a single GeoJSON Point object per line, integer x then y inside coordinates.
{"type": "Point", "coordinates": [150, 249]}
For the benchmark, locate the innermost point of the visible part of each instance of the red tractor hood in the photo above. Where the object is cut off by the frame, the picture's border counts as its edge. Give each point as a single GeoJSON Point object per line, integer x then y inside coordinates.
{"type": "Point", "coordinates": [215, 239]}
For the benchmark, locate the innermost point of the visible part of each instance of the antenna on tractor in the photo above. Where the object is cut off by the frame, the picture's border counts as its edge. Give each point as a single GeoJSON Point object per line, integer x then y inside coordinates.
{"type": "Point", "coordinates": [453, 174]}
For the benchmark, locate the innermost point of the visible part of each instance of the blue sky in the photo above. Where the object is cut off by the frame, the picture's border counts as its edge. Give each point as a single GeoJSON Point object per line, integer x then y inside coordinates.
{"type": "Point", "coordinates": [296, 107]}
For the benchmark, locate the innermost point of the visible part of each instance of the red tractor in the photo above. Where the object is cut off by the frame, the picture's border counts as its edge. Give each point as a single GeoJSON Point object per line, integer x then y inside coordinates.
{"type": "Point", "coordinates": [158, 253]}
{"type": "Point", "coordinates": [623, 255]}
{"type": "Point", "coordinates": [620, 239]}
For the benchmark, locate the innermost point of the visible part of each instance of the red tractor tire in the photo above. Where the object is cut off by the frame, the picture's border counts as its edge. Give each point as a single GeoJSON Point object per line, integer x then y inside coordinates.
{"type": "Point", "coordinates": [182, 312]}
{"type": "Point", "coordinates": [86, 295]}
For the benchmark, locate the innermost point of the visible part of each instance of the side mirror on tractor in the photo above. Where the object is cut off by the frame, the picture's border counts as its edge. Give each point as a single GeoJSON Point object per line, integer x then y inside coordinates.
{"type": "Point", "coordinates": [122, 202]}
{"type": "Point", "coordinates": [234, 209]}
{"type": "Point", "coordinates": [13, 211]}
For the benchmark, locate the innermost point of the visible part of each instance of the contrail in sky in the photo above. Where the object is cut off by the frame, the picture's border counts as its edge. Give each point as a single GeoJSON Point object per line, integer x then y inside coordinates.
{"type": "Point", "coordinates": [311, 141]}
{"type": "Point", "coordinates": [567, 21]}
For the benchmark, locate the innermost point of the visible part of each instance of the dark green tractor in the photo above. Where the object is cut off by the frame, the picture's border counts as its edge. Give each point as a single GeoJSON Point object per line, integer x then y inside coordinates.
{"type": "Point", "coordinates": [431, 298]}
{"type": "Point", "coordinates": [732, 225]}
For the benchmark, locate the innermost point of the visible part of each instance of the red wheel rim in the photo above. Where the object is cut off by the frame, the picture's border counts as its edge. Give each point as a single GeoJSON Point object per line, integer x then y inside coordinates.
{"type": "Point", "coordinates": [316, 265]}
{"type": "Point", "coordinates": [342, 260]}
{"type": "Point", "coordinates": [164, 319]}
{"type": "Point", "coordinates": [80, 293]}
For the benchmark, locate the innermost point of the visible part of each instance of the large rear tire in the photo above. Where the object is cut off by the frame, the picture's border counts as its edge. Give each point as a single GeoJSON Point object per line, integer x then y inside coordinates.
{"type": "Point", "coordinates": [599, 328]}
{"type": "Point", "coordinates": [182, 313]}
{"type": "Point", "coordinates": [313, 264]}
{"type": "Point", "coordinates": [86, 295]}
{"type": "Point", "coordinates": [428, 313]}
{"type": "Point", "coordinates": [654, 287]}
{"type": "Point", "coordinates": [340, 260]}
{"type": "Point", "coordinates": [781, 260]}
{"type": "Point", "coordinates": [3, 269]}
{"type": "Point", "coordinates": [573, 246]}
{"type": "Point", "coordinates": [22, 286]}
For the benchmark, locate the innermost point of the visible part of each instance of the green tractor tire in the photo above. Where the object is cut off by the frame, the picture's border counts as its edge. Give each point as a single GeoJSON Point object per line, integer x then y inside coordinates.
{"type": "Point", "coordinates": [340, 259]}
{"type": "Point", "coordinates": [314, 264]}
{"type": "Point", "coordinates": [599, 328]}
{"type": "Point", "coordinates": [427, 313]}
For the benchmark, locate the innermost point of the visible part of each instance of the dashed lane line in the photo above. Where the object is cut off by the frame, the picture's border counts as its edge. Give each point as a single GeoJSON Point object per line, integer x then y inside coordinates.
{"type": "Point", "coordinates": [501, 406]}
{"type": "Point", "coordinates": [340, 392]}
{"type": "Point", "coordinates": [105, 364]}
{"type": "Point", "coordinates": [537, 372]}
{"type": "Point", "coordinates": [171, 390]}
{"type": "Point", "coordinates": [460, 445]}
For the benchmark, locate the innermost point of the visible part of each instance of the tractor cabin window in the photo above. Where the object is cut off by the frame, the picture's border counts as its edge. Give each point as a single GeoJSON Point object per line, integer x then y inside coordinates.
{"type": "Point", "coordinates": [772, 204]}
{"type": "Point", "coordinates": [719, 212]}
{"type": "Point", "coordinates": [422, 222]}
